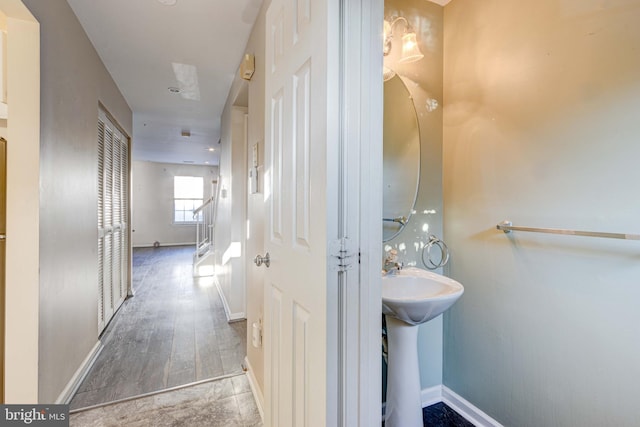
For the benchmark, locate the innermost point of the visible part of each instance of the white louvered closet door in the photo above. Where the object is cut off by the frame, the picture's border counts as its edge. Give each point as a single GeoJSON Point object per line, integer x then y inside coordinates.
{"type": "Point", "coordinates": [113, 167]}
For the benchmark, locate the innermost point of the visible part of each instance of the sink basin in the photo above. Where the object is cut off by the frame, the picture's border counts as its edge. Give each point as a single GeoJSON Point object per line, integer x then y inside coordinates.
{"type": "Point", "coordinates": [416, 296]}
{"type": "Point", "coordinates": [410, 297]}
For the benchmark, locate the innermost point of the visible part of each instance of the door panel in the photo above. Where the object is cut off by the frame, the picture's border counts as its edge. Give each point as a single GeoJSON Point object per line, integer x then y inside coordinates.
{"type": "Point", "coordinates": [301, 110]}
{"type": "Point", "coordinates": [107, 271]}
{"type": "Point", "coordinates": [275, 220]}
{"type": "Point", "coordinates": [300, 365]}
{"type": "Point", "coordinates": [296, 214]}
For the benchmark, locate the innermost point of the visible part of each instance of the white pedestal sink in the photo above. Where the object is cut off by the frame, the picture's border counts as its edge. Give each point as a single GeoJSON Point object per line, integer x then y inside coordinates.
{"type": "Point", "coordinates": [410, 297]}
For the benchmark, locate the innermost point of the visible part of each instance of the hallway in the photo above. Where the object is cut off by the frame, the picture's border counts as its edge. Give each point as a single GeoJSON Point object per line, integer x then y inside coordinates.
{"type": "Point", "coordinates": [173, 332]}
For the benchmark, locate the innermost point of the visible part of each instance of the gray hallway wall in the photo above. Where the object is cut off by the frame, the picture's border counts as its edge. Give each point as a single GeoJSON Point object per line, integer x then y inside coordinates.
{"type": "Point", "coordinates": [73, 82]}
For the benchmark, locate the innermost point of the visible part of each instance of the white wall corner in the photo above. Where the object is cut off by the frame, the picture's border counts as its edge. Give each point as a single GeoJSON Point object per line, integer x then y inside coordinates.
{"type": "Point", "coordinates": [231, 317]}
{"type": "Point", "coordinates": [431, 396]}
{"type": "Point", "coordinates": [255, 389]}
{"type": "Point", "coordinates": [465, 408]}
{"type": "Point", "coordinates": [440, 393]}
{"type": "Point", "coordinates": [80, 374]}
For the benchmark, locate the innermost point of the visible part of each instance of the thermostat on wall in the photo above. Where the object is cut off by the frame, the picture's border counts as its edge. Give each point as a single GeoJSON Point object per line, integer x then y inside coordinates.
{"type": "Point", "coordinates": [248, 66]}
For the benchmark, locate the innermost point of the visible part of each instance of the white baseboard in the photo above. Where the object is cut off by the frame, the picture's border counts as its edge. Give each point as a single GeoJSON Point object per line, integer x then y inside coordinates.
{"type": "Point", "coordinates": [431, 396]}
{"type": "Point", "coordinates": [439, 393]}
{"type": "Point", "coordinates": [465, 408]}
{"type": "Point", "coordinates": [257, 393]}
{"type": "Point", "coordinates": [79, 376]}
{"type": "Point", "coordinates": [231, 317]}
{"type": "Point", "coordinates": [428, 396]}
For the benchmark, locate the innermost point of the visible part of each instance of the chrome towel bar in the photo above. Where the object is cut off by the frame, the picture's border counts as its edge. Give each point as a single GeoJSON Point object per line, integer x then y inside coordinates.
{"type": "Point", "coordinates": [507, 227]}
{"type": "Point", "coordinates": [402, 220]}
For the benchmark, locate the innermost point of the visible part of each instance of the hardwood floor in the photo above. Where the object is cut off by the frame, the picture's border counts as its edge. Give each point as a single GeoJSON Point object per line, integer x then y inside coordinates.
{"type": "Point", "coordinates": [173, 332]}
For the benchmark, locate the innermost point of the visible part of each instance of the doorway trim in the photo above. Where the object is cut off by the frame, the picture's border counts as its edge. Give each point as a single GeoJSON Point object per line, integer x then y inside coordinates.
{"type": "Point", "coordinates": [22, 280]}
{"type": "Point", "coordinates": [357, 343]}
{"type": "Point", "coordinates": [3, 237]}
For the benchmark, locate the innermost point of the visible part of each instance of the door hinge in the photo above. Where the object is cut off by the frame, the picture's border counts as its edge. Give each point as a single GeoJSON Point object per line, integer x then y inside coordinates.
{"type": "Point", "coordinates": [343, 254]}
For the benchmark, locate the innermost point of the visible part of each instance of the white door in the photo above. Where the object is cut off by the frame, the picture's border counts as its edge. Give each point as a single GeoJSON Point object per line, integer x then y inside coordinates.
{"type": "Point", "coordinates": [113, 237]}
{"type": "Point", "coordinates": [297, 127]}
{"type": "Point", "coordinates": [323, 156]}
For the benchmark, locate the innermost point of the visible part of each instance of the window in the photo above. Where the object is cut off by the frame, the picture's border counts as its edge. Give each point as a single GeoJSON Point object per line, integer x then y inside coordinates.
{"type": "Point", "coordinates": [187, 197]}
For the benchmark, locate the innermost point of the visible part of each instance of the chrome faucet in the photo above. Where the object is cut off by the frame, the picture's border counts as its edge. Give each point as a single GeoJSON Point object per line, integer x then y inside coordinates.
{"type": "Point", "coordinates": [391, 264]}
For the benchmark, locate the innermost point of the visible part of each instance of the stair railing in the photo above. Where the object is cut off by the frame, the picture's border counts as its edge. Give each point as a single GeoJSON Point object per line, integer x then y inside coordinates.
{"type": "Point", "coordinates": [204, 217]}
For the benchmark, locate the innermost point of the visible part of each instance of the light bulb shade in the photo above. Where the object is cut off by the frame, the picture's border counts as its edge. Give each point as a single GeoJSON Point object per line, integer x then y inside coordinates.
{"type": "Point", "coordinates": [386, 47]}
{"type": "Point", "coordinates": [387, 74]}
{"type": "Point", "coordinates": [410, 50]}
{"type": "Point", "coordinates": [387, 28]}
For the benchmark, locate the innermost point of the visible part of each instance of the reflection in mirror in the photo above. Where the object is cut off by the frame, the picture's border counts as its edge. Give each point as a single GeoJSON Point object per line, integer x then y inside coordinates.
{"type": "Point", "coordinates": [401, 157]}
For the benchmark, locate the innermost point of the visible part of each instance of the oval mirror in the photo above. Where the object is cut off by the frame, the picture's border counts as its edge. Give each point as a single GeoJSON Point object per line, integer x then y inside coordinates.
{"type": "Point", "coordinates": [401, 161]}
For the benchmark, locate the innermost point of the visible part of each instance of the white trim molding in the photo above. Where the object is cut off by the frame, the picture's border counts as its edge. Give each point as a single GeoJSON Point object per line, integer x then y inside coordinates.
{"type": "Point", "coordinates": [74, 383]}
{"type": "Point", "coordinates": [255, 389]}
{"type": "Point", "coordinates": [355, 335]}
{"type": "Point", "coordinates": [431, 396]}
{"type": "Point", "coordinates": [231, 317]}
{"type": "Point", "coordinates": [467, 410]}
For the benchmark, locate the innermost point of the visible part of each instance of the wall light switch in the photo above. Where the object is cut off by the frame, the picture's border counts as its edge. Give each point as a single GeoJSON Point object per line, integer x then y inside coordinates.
{"type": "Point", "coordinates": [253, 180]}
{"type": "Point", "coordinates": [255, 155]}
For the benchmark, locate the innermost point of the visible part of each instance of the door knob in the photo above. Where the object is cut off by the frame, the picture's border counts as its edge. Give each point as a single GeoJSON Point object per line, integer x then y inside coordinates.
{"type": "Point", "coordinates": [259, 260]}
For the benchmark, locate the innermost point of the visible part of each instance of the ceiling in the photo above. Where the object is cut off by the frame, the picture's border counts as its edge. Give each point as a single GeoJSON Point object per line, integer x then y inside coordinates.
{"type": "Point", "coordinates": [140, 41]}
{"type": "Point", "coordinates": [149, 46]}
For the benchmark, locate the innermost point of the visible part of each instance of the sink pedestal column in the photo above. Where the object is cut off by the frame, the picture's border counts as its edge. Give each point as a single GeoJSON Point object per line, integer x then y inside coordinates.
{"type": "Point", "coordinates": [404, 403]}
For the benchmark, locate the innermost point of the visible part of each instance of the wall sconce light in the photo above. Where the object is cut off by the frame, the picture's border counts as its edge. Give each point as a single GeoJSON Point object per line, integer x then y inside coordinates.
{"type": "Point", "coordinates": [410, 50]}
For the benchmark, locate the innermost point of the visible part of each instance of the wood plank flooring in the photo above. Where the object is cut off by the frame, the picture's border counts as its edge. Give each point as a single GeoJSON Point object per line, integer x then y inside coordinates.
{"type": "Point", "coordinates": [173, 332]}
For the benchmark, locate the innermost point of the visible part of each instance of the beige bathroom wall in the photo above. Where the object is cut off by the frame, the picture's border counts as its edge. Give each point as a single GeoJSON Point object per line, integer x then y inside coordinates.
{"type": "Point", "coordinates": [541, 127]}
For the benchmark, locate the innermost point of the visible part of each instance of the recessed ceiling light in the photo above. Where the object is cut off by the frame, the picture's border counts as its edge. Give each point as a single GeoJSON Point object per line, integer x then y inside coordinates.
{"type": "Point", "coordinates": [173, 89]}
{"type": "Point", "coordinates": [206, 163]}
{"type": "Point", "coordinates": [212, 149]}
{"type": "Point", "coordinates": [168, 2]}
